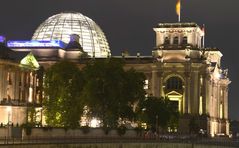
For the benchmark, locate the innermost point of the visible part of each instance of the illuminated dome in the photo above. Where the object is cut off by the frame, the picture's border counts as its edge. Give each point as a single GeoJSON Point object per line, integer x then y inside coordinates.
{"type": "Point", "coordinates": [61, 26]}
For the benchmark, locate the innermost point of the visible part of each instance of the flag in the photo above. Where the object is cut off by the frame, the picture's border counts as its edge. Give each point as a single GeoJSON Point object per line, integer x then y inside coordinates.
{"type": "Point", "coordinates": [178, 7]}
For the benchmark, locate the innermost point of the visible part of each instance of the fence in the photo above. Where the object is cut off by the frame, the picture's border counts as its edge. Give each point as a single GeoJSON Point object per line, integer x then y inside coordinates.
{"type": "Point", "coordinates": [46, 136]}
{"type": "Point", "coordinates": [121, 142]}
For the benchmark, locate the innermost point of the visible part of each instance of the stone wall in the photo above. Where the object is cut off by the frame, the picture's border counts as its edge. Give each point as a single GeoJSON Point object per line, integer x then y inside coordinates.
{"type": "Point", "coordinates": [3, 132]}
{"type": "Point", "coordinates": [61, 132]}
{"type": "Point", "coordinates": [117, 145]}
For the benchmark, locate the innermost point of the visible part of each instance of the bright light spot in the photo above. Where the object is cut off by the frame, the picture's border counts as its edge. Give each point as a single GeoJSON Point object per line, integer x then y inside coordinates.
{"type": "Point", "coordinates": [213, 129]}
{"type": "Point", "coordinates": [38, 114]}
{"type": "Point", "coordinates": [218, 75]}
{"type": "Point", "coordinates": [30, 94]}
{"type": "Point", "coordinates": [144, 125]}
{"type": "Point", "coordinates": [200, 105]}
{"type": "Point", "coordinates": [9, 109]}
{"type": "Point", "coordinates": [146, 84]}
{"type": "Point", "coordinates": [94, 123]}
{"type": "Point", "coordinates": [221, 111]}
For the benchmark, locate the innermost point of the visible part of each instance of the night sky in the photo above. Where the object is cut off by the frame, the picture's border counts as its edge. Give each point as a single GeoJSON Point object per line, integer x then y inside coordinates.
{"type": "Point", "coordinates": [128, 24]}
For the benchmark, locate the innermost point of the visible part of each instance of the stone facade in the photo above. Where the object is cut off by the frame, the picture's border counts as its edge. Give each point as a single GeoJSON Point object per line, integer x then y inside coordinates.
{"type": "Point", "coordinates": [190, 75]}
{"type": "Point", "coordinates": [20, 90]}
{"type": "Point", "coordinates": [180, 68]}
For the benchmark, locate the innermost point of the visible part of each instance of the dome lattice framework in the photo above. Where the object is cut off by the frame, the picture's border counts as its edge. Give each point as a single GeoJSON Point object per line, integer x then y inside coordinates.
{"type": "Point", "coordinates": [60, 26]}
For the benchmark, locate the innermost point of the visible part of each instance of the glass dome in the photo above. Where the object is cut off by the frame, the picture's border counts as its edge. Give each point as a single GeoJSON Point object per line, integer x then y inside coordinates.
{"type": "Point", "coordinates": [61, 26]}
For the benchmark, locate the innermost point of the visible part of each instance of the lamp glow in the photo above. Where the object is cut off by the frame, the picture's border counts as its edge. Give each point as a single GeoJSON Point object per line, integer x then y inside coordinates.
{"type": "Point", "coordinates": [94, 123]}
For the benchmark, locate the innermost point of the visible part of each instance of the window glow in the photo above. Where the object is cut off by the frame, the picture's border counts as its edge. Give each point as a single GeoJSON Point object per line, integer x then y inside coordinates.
{"type": "Point", "coordinates": [200, 105]}
{"type": "Point", "coordinates": [38, 114]}
{"type": "Point", "coordinates": [174, 96]}
{"type": "Point", "coordinates": [221, 111]}
{"type": "Point", "coordinates": [146, 84]}
{"type": "Point", "coordinates": [201, 80]}
{"type": "Point", "coordinates": [30, 94]}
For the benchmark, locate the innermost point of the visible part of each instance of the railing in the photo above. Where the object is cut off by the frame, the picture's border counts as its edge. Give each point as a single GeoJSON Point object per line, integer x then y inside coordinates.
{"type": "Point", "coordinates": [200, 142]}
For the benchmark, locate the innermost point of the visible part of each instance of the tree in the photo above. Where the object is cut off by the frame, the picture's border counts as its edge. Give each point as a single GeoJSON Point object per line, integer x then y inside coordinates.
{"type": "Point", "coordinates": [158, 111]}
{"type": "Point", "coordinates": [63, 85]}
{"type": "Point", "coordinates": [110, 91]}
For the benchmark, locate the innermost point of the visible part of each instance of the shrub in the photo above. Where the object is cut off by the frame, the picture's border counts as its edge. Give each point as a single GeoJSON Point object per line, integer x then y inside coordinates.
{"type": "Point", "coordinates": [121, 130]}
{"type": "Point", "coordinates": [66, 128]}
{"type": "Point", "coordinates": [139, 130]}
{"type": "Point", "coordinates": [106, 130]}
{"type": "Point", "coordinates": [28, 128]}
{"type": "Point", "coordinates": [47, 128]}
{"type": "Point", "coordinates": [85, 129]}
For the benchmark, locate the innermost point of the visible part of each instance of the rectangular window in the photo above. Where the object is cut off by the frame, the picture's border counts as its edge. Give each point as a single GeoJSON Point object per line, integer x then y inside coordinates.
{"type": "Point", "coordinates": [200, 105]}
{"type": "Point", "coordinates": [221, 111]}
{"type": "Point", "coordinates": [146, 84]}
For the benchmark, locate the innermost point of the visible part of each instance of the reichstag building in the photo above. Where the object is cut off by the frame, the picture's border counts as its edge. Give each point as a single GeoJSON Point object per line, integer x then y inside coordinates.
{"type": "Point", "coordinates": [180, 68]}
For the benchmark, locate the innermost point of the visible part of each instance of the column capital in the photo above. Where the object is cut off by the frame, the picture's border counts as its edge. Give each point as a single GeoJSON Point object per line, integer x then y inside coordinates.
{"type": "Point", "coordinates": [187, 74]}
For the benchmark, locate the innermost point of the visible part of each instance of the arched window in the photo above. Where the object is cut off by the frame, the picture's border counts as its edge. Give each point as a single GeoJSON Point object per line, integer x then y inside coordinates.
{"type": "Point", "coordinates": [174, 83]}
{"type": "Point", "coordinates": [185, 40]}
{"type": "Point", "coordinates": [175, 40]}
{"type": "Point", "coordinates": [166, 41]}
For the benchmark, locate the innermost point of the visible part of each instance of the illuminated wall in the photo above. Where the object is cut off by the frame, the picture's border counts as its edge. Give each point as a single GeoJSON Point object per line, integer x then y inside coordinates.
{"type": "Point", "coordinates": [179, 53]}
{"type": "Point", "coordinates": [20, 88]}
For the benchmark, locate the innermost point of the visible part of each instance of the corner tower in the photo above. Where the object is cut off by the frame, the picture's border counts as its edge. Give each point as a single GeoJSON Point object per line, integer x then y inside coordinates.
{"type": "Point", "coordinates": [191, 76]}
{"type": "Point", "coordinates": [178, 38]}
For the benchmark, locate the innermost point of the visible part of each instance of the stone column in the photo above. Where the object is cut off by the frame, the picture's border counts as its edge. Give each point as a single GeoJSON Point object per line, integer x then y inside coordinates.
{"type": "Point", "coordinates": [204, 95]}
{"type": "Point", "coordinates": [225, 104]}
{"type": "Point", "coordinates": [17, 78]}
{"type": "Point", "coordinates": [34, 87]}
{"type": "Point", "coordinates": [194, 93]}
{"type": "Point", "coordinates": [155, 81]}
{"type": "Point", "coordinates": [186, 101]}
{"type": "Point", "coordinates": [213, 107]}
{"type": "Point", "coordinates": [207, 93]}
{"type": "Point", "coordinates": [1, 82]}
{"type": "Point", "coordinates": [160, 79]}
{"type": "Point", "coordinates": [217, 102]}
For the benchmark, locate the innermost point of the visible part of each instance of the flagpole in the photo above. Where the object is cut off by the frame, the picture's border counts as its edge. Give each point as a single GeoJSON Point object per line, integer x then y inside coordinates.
{"type": "Point", "coordinates": [179, 16]}
{"type": "Point", "coordinates": [203, 35]}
